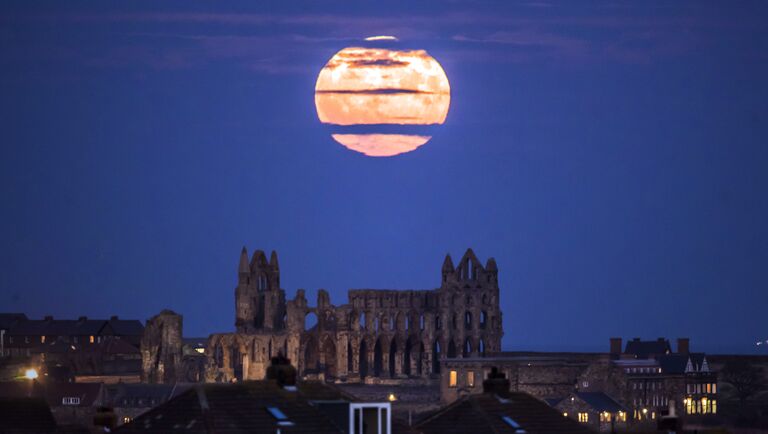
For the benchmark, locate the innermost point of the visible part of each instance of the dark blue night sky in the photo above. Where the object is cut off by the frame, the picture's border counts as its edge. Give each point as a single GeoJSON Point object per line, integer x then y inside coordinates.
{"type": "Point", "coordinates": [613, 158]}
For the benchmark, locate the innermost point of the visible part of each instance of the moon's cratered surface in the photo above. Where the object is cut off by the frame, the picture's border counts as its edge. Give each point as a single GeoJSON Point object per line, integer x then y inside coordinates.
{"type": "Point", "coordinates": [379, 86]}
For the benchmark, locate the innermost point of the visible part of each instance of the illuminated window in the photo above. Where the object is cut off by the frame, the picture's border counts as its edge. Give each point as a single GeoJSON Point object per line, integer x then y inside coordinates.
{"type": "Point", "coordinates": [471, 379]}
{"type": "Point", "coordinates": [714, 387]}
{"type": "Point", "coordinates": [42, 339]}
{"type": "Point", "coordinates": [621, 416]}
{"type": "Point", "coordinates": [714, 406]}
{"type": "Point", "coordinates": [91, 339]}
{"type": "Point", "coordinates": [605, 417]}
{"type": "Point", "coordinates": [126, 419]}
{"type": "Point", "coordinates": [709, 388]}
{"type": "Point", "coordinates": [583, 417]}
{"type": "Point", "coordinates": [565, 413]}
{"type": "Point", "coordinates": [452, 376]}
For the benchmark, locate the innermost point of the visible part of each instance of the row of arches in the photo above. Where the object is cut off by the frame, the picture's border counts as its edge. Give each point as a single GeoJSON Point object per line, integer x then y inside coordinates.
{"type": "Point", "coordinates": [413, 322]}
{"type": "Point", "coordinates": [383, 357]}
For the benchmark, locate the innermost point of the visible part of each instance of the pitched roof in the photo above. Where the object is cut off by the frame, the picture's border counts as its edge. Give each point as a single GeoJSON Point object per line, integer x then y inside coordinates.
{"type": "Point", "coordinates": [240, 408]}
{"type": "Point", "coordinates": [600, 401]}
{"type": "Point", "coordinates": [126, 327]}
{"type": "Point", "coordinates": [7, 320]}
{"type": "Point", "coordinates": [21, 326]}
{"type": "Point", "coordinates": [645, 349]}
{"type": "Point", "coordinates": [142, 395]}
{"type": "Point", "coordinates": [25, 415]}
{"type": "Point", "coordinates": [89, 394]}
{"type": "Point", "coordinates": [515, 412]}
{"type": "Point", "coordinates": [57, 327]}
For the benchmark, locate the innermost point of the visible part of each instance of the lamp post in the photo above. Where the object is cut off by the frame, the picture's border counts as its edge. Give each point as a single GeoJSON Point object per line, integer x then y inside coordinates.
{"type": "Point", "coordinates": [31, 375]}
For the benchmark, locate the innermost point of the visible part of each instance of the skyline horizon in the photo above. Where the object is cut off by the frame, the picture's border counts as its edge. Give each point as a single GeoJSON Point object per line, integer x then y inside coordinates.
{"type": "Point", "coordinates": [586, 346]}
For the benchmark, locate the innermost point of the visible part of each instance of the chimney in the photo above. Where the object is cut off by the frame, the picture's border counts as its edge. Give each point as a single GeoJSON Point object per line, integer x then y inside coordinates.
{"type": "Point", "coordinates": [113, 318]}
{"type": "Point", "coordinates": [83, 318]}
{"type": "Point", "coordinates": [496, 383]}
{"type": "Point", "coordinates": [683, 345]}
{"type": "Point", "coordinates": [615, 346]}
{"type": "Point", "coordinates": [48, 318]}
{"type": "Point", "coordinates": [281, 371]}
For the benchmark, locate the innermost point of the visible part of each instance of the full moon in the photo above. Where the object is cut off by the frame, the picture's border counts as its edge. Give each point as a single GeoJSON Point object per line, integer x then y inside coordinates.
{"type": "Point", "coordinates": [379, 87]}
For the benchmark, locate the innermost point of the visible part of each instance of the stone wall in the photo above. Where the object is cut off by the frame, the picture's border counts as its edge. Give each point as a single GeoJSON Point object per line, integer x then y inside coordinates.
{"type": "Point", "coordinates": [378, 334]}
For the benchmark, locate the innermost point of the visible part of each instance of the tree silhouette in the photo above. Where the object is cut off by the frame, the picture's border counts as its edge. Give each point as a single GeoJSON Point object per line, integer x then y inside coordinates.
{"type": "Point", "coordinates": [745, 378]}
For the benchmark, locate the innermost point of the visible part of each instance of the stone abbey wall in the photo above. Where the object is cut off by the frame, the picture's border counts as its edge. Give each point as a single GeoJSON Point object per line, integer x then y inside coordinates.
{"type": "Point", "coordinates": [379, 335]}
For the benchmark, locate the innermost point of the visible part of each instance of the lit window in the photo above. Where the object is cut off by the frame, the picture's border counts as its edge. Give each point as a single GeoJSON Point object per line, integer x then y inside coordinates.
{"type": "Point", "coordinates": [714, 387]}
{"type": "Point", "coordinates": [709, 388]}
{"type": "Point", "coordinates": [471, 379]}
{"type": "Point", "coordinates": [452, 376]}
{"type": "Point", "coordinates": [126, 419]}
{"type": "Point", "coordinates": [565, 413]}
{"type": "Point", "coordinates": [583, 417]}
{"type": "Point", "coordinates": [42, 339]}
{"type": "Point", "coordinates": [605, 417]}
{"type": "Point", "coordinates": [621, 417]}
{"type": "Point", "coordinates": [714, 406]}
{"type": "Point", "coordinates": [70, 400]}
{"type": "Point", "coordinates": [91, 339]}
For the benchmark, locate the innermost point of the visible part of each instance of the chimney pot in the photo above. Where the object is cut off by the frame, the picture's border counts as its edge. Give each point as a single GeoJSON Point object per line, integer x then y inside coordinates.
{"type": "Point", "coordinates": [683, 345]}
{"type": "Point", "coordinates": [615, 346]}
{"type": "Point", "coordinates": [82, 318]}
{"type": "Point", "coordinates": [48, 318]}
{"type": "Point", "coordinates": [113, 318]}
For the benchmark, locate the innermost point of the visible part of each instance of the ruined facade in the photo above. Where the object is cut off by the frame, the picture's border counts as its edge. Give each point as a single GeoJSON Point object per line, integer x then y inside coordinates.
{"type": "Point", "coordinates": [379, 335]}
{"type": "Point", "coordinates": [161, 348]}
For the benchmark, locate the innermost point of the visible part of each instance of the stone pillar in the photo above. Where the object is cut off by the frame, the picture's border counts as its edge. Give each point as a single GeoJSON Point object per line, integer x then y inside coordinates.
{"type": "Point", "coordinates": [399, 363]}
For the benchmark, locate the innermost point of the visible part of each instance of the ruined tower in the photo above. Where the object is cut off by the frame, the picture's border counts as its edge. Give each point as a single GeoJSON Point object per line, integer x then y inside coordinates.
{"type": "Point", "coordinates": [469, 306]}
{"type": "Point", "coordinates": [259, 301]}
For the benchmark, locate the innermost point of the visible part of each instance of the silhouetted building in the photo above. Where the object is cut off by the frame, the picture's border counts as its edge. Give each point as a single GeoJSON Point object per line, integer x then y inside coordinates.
{"type": "Point", "coordinates": [378, 334]}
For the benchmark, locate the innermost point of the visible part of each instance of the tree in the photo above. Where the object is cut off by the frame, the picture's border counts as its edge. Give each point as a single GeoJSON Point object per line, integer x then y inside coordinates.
{"type": "Point", "coordinates": [745, 378]}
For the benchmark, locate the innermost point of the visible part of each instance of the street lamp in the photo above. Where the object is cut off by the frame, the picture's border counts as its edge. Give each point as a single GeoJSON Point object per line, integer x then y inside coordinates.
{"type": "Point", "coordinates": [31, 374]}
{"type": "Point", "coordinates": [391, 397]}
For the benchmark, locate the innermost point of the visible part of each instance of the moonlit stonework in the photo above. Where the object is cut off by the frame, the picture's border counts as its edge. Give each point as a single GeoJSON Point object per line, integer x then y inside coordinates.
{"type": "Point", "coordinates": [380, 86]}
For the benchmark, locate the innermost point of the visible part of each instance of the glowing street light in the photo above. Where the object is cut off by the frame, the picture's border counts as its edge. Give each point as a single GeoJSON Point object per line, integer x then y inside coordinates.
{"type": "Point", "coordinates": [31, 374]}
{"type": "Point", "coordinates": [391, 397]}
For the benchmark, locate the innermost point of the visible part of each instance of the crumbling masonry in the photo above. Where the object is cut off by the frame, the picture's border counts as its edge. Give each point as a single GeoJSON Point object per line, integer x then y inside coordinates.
{"type": "Point", "coordinates": [379, 335]}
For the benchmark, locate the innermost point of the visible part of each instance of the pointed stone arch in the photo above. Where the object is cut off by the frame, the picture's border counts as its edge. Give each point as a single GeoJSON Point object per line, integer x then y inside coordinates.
{"type": "Point", "coordinates": [329, 357]}
{"type": "Point", "coordinates": [378, 362]}
{"type": "Point", "coordinates": [393, 349]}
{"type": "Point", "coordinates": [451, 353]}
{"type": "Point", "coordinates": [311, 356]}
{"type": "Point", "coordinates": [436, 354]}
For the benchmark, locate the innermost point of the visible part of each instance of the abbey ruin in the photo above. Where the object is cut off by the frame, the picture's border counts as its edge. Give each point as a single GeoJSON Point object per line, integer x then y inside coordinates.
{"type": "Point", "coordinates": [379, 334]}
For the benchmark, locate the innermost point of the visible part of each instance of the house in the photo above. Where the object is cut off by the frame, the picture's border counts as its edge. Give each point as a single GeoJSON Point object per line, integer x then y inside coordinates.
{"type": "Point", "coordinates": [594, 409]}
{"type": "Point", "coordinates": [73, 403]}
{"type": "Point", "coordinates": [129, 401]}
{"type": "Point", "coordinates": [277, 404]}
{"type": "Point", "coordinates": [498, 410]}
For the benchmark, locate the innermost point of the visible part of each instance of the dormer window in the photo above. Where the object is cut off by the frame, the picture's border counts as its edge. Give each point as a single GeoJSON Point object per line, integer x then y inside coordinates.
{"type": "Point", "coordinates": [374, 418]}
{"type": "Point", "coordinates": [511, 422]}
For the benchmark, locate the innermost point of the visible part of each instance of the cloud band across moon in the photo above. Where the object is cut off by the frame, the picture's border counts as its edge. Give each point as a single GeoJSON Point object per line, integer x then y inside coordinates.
{"type": "Point", "coordinates": [377, 86]}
